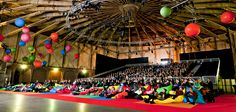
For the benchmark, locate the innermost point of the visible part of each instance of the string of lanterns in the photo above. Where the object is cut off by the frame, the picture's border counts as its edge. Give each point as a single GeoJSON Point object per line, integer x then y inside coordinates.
{"type": "Point", "coordinates": [25, 38]}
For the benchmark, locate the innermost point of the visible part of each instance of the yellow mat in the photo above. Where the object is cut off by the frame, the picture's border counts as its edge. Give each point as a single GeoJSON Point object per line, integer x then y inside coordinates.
{"type": "Point", "coordinates": [179, 105]}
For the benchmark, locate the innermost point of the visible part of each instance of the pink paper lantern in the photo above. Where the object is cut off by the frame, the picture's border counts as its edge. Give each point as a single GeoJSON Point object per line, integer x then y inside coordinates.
{"type": "Point", "coordinates": [48, 46]}
{"type": "Point", "coordinates": [68, 48]}
{"type": "Point", "coordinates": [25, 37]}
{"type": "Point", "coordinates": [25, 29]}
{"type": "Point", "coordinates": [7, 58]}
{"type": "Point", "coordinates": [1, 37]}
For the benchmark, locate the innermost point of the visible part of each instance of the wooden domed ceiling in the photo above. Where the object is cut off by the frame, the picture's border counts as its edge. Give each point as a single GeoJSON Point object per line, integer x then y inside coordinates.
{"type": "Point", "coordinates": [117, 22]}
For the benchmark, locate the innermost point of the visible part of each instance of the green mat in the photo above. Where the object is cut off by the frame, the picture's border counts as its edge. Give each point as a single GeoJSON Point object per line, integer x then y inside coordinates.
{"type": "Point", "coordinates": [88, 96]}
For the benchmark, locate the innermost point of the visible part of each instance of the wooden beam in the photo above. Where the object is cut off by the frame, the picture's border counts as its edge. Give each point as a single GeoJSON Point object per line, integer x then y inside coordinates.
{"type": "Point", "coordinates": [26, 16]}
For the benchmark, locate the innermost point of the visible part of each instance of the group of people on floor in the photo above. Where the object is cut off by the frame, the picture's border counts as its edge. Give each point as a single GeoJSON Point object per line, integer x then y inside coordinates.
{"type": "Point", "coordinates": [152, 90]}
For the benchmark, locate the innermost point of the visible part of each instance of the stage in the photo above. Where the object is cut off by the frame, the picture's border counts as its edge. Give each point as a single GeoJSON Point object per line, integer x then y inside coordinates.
{"type": "Point", "coordinates": [37, 102]}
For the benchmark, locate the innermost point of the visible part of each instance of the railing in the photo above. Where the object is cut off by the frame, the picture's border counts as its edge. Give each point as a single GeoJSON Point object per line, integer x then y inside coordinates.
{"type": "Point", "coordinates": [103, 73]}
{"type": "Point", "coordinates": [202, 60]}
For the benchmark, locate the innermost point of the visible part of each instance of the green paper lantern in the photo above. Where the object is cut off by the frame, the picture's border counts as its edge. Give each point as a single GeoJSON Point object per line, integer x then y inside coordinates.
{"type": "Point", "coordinates": [165, 11]}
{"type": "Point", "coordinates": [13, 49]}
{"type": "Point", "coordinates": [25, 58]}
{"type": "Point", "coordinates": [30, 48]}
{"type": "Point", "coordinates": [31, 58]}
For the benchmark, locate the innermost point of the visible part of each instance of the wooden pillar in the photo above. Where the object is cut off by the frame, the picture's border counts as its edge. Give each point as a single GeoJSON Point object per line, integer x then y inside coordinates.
{"type": "Point", "coordinates": [215, 44]}
{"type": "Point", "coordinates": [91, 61]}
{"type": "Point", "coordinates": [232, 43]}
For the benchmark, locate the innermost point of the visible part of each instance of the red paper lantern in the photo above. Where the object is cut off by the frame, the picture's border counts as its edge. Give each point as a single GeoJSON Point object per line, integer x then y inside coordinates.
{"type": "Point", "coordinates": [1, 37]}
{"type": "Point", "coordinates": [192, 29]}
{"type": "Point", "coordinates": [37, 64]}
{"type": "Point", "coordinates": [76, 56]}
{"type": "Point", "coordinates": [40, 55]}
{"type": "Point", "coordinates": [54, 36]}
{"type": "Point", "coordinates": [48, 46]}
{"type": "Point", "coordinates": [54, 40]}
{"type": "Point", "coordinates": [50, 51]}
{"type": "Point", "coordinates": [227, 17]}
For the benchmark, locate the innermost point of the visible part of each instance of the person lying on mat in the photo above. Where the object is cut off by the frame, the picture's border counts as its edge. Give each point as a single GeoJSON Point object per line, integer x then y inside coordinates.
{"type": "Point", "coordinates": [190, 96]}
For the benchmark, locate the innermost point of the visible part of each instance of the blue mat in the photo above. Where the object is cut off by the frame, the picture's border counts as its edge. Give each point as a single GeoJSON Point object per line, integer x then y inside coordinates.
{"type": "Point", "coordinates": [103, 98]}
{"type": "Point", "coordinates": [47, 93]}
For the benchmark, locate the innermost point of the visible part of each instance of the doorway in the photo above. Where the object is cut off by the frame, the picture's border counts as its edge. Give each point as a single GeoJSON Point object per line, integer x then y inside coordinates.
{"type": "Point", "coordinates": [16, 77]}
{"type": "Point", "coordinates": [55, 75]}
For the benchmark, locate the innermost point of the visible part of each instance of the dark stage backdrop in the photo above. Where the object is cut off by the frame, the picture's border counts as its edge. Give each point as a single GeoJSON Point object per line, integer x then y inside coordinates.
{"type": "Point", "coordinates": [105, 63]}
{"type": "Point", "coordinates": [226, 60]}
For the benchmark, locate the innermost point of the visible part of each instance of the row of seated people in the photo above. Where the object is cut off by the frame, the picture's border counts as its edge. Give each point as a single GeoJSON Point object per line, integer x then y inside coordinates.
{"type": "Point", "coordinates": [151, 90]}
{"type": "Point", "coordinates": [174, 70]}
{"type": "Point", "coordinates": [154, 91]}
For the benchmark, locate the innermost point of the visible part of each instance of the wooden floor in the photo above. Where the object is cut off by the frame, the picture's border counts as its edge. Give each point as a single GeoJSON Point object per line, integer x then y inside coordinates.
{"type": "Point", "coordinates": [22, 103]}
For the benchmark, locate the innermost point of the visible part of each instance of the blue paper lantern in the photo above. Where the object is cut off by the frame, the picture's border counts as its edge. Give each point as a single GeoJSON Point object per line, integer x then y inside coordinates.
{"type": "Point", "coordinates": [47, 42]}
{"type": "Point", "coordinates": [19, 22]}
{"type": "Point", "coordinates": [8, 51]}
{"type": "Point", "coordinates": [62, 52]}
{"type": "Point", "coordinates": [44, 63]}
{"type": "Point", "coordinates": [21, 43]}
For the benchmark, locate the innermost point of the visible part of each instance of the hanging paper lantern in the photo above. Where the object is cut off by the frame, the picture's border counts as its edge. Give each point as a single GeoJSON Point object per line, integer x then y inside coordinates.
{"type": "Point", "coordinates": [21, 43]}
{"type": "Point", "coordinates": [68, 48]}
{"type": "Point", "coordinates": [13, 49]}
{"type": "Point", "coordinates": [54, 36]}
{"type": "Point", "coordinates": [165, 11]}
{"type": "Point", "coordinates": [0, 44]}
{"type": "Point", "coordinates": [8, 51]}
{"type": "Point", "coordinates": [37, 64]}
{"type": "Point", "coordinates": [25, 29]}
{"type": "Point", "coordinates": [25, 58]}
{"type": "Point", "coordinates": [30, 48]}
{"type": "Point", "coordinates": [47, 42]}
{"type": "Point", "coordinates": [48, 46]}
{"type": "Point", "coordinates": [25, 37]}
{"type": "Point", "coordinates": [7, 58]}
{"type": "Point", "coordinates": [54, 40]}
{"type": "Point", "coordinates": [227, 17]}
{"type": "Point", "coordinates": [40, 55]}
{"type": "Point", "coordinates": [19, 22]}
{"type": "Point", "coordinates": [76, 56]}
{"type": "Point", "coordinates": [1, 37]}
{"type": "Point", "coordinates": [32, 51]}
{"type": "Point", "coordinates": [31, 58]}
{"type": "Point", "coordinates": [50, 51]}
{"type": "Point", "coordinates": [44, 63]}
{"type": "Point", "coordinates": [192, 29]}
{"type": "Point", "coordinates": [62, 52]}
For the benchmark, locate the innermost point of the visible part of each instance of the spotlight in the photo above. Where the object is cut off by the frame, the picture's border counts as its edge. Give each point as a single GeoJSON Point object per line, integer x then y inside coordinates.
{"type": "Point", "coordinates": [24, 66]}
{"type": "Point", "coordinates": [55, 69]}
{"type": "Point", "coordinates": [84, 71]}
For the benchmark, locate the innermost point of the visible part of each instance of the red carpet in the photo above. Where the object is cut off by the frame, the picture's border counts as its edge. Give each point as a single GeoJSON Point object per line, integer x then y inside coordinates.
{"type": "Point", "coordinates": [225, 103]}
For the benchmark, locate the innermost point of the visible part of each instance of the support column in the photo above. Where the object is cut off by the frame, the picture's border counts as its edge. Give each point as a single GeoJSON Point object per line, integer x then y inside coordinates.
{"type": "Point", "coordinates": [231, 35]}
